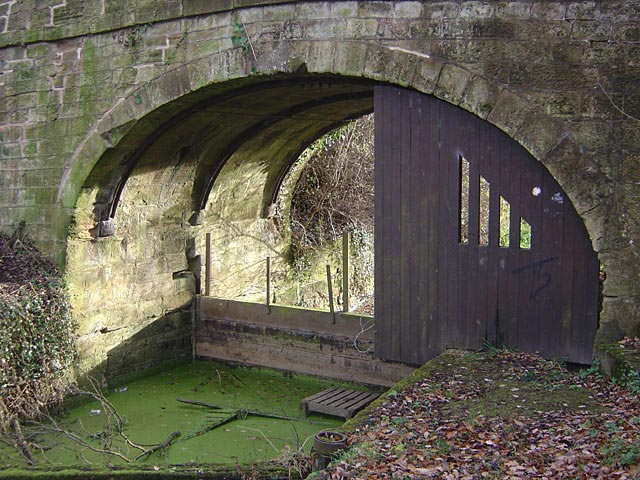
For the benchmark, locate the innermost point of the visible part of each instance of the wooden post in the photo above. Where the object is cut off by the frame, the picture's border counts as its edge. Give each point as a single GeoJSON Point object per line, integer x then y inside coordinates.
{"type": "Point", "coordinates": [330, 289]}
{"type": "Point", "coordinates": [268, 285]}
{"type": "Point", "coordinates": [207, 267]}
{"type": "Point", "coordinates": [345, 272]}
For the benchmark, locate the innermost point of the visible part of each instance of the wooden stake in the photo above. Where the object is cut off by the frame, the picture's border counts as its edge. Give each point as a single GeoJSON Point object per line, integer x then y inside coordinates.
{"type": "Point", "coordinates": [330, 289]}
{"type": "Point", "coordinates": [207, 267]}
{"type": "Point", "coordinates": [268, 284]}
{"type": "Point", "coordinates": [345, 272]}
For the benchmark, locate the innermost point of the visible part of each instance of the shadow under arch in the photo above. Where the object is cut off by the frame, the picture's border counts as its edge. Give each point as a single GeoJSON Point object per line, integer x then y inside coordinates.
{"type": "Point", "coordinates": [280, 116]}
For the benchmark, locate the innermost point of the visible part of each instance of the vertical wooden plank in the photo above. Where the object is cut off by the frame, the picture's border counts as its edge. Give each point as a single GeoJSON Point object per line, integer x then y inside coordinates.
{"type": "Point", "coordinates": [421, 177]}
{"type": "Point", "coordinates": [412, 182]}
{"type": "Point", "coordinates": [527, 315]}
{"type": "Point", "coordinates": [345, 271]}
{"type": "Point", "coordinates": [405, 240]}
{"type": "Point", "coordinates": [207, 268]}
{"type": "Point", "coordinates": [379, 245]}
{"type": "Point", "coordinates": [432, 331]}
{"type": "Point", "coordinates": [553, 275]}
{"type": "Point", "coordinates": [492, 169]}
{"type": "Point", "coordinates": [532, 312]}
{"type": "Point", "coordinates": [394, 179]}
{"type": "Point", "coordinates": [507, 281]}
{"type": "Point", "coordinates": [268, 280]}
{"type": "Point", "coordinates": [444, 269]}
{"type": "Point", "coordinates": [330, 292]}
{"type": "Point", "coordinates": [387, 227]}
{"type": "Point", "coordinates": [575, 284]}
{"type": "Point", "coordinates": [580, 289]}
{"type": "Point", "coordinates": [462, 294]}
{"type": "Point", "coordinates": [477, 296]}
{"type": "Point", "coordinates": [585, 292]}
{"type": "Point", "coordinates": [449, 152]}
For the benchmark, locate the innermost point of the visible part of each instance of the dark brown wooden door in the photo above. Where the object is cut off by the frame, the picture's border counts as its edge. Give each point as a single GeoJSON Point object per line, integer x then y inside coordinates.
{"type": "Point", "coordinates": [475, 241]}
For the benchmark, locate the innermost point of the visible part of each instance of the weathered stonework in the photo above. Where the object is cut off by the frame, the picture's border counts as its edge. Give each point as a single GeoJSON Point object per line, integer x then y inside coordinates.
{"type": "Point", "coordinates": [86, 86]}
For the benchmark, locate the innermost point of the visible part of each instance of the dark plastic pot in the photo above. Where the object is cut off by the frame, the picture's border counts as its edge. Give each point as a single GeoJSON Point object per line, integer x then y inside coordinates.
{"type": "Point", "coordinates": [328, 442]}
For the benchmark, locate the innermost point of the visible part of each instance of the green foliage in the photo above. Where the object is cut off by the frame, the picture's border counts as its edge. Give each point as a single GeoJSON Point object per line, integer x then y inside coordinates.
{"type": "Point", "coordinates": [133, 36]}
{"type": "Point", "coordinates": [362, 267]}
{"type": "Point", "coordinates": [37, 341]}
{"type": "Point", "coordinates": [629, 380]}
{"type": "Point", "coordinates": [239, 37]}
{"type": "Point", "coordinates": [398, 421]}
{"type": "Point", "coordinates": [594, 369]}
{"type": "Point", "coordinates": [525, 234]}
{"type": "Point", "coordinates": [622, 453]}
{"type": "Point", "coordinates": [35, 334]}
{"type": "Point", "coordinates": [332, 193]}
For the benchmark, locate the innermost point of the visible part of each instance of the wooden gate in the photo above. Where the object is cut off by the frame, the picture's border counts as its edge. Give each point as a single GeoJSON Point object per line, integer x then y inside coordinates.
{"type": "Point", "coordinates": [475, 241]}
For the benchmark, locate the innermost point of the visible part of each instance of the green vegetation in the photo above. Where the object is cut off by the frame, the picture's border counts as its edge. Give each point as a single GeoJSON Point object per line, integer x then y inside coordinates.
{"type": "Point", "coordinates": [146, 413]}
{"type": "Point", "coordinates": [239, 37]}
{"type": "Point", "coordinates": [37, 342]}
{"type": "Point", "coordinates": [333, 195]}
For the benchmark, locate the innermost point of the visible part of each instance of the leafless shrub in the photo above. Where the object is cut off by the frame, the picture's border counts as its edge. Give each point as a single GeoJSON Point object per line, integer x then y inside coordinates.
{"type": "Point", "coordinates": [335, 190]}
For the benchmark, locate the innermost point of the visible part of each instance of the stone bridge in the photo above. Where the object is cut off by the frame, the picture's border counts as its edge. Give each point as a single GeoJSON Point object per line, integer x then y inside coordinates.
{"type": "Point", "coordinates": [130, 128]}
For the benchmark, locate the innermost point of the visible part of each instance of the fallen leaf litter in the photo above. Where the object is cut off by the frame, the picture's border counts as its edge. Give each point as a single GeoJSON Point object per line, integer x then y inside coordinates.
{"type": "Point", "coordinates": [498, 415]}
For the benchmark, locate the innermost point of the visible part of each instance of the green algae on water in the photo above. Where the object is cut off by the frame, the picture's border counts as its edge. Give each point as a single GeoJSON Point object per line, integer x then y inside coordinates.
{"type": "Point", "coordinates": [151, 413]}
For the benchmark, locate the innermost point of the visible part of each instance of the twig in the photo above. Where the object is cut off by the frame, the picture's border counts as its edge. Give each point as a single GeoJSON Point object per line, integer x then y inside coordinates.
{"type": "Point", "coordinates": [218, 423]}
{"type": "Point", "coordinates": [203, 384]}
{"type": "Point", "coordinates": [606, 94]}
{"type": "Point", "coordinates": [241, 413]}
{"type": "Point", "coordinates": [200, 404]}
{"type": "Point", "coordinates": [635, 427]}
{"type": "Point", "coordinates": [162, 445]}
{"type": "Point", "coordinates": [75, 438]}
{"type": "Point", "coordinates": [253, 52]}
{"type": "Point", "coordinates": [263, 435]}
{"type": "Point", "coordinates": [363, 329]}
{"type": "Point", "coordinates": [21, 442]}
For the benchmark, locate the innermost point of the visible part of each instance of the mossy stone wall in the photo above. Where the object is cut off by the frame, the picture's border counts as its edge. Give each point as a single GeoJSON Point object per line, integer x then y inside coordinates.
{"type": "Point", "coordinates": [84, 84]}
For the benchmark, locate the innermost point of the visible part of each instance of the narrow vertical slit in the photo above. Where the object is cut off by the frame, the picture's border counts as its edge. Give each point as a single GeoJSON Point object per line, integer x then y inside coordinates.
{"type": "Point", "coordinates": [464, 201]}
{"type": "Point", "coordinates": [483, 223]}
{"type": "Point", "coordinates": [505, 220]}
{"type": "Point", "coordinates": [525, 234]}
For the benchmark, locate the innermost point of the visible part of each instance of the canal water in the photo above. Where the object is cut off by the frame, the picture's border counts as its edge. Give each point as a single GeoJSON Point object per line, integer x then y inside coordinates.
{"type": "Point", "coordinates": [151, 412]}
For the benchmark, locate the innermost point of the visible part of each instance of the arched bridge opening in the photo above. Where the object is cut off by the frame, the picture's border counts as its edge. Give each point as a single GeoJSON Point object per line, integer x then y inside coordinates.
{"type": "Point", "coordinates": [213, 162]}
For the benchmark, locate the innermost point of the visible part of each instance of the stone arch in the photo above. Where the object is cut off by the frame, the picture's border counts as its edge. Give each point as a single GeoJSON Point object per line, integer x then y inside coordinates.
{"type": "Point", "coordinates": [544, 137]}
{"type": "Point", "coordinates": [101, 160]}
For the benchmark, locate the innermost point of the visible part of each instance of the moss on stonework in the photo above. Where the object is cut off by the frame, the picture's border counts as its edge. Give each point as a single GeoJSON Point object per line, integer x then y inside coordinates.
{"type": "Point", "coordinates": [618, 362]}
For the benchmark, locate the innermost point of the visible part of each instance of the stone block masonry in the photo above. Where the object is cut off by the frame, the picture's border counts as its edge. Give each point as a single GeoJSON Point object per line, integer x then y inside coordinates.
{"type": "Point", "coordinates": [84, 86]}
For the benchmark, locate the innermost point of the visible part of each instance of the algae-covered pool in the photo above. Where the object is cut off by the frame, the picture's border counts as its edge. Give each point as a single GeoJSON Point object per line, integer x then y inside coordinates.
{"type": "Point", "coordinates": [151, 413]}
